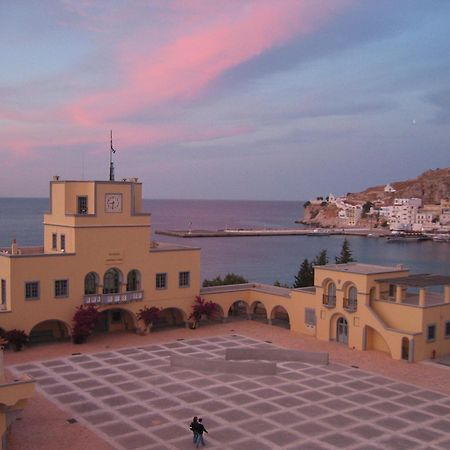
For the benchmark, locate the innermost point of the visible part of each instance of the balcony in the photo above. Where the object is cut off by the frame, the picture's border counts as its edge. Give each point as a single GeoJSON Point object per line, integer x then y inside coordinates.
{"type": "Point", "coordinates": [350, 304]}
{"type": "Point", "coordinates": [114, 299]}
{"type": "Point", "coordinates": [329, 301]}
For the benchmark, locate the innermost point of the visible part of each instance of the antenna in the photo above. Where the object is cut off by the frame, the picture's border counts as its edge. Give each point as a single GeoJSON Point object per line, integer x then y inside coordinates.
{"type": "Point", "coordinates": [111, 164]}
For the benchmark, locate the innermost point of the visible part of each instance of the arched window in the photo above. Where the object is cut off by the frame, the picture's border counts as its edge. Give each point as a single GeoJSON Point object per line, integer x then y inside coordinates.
{"type": "Point", "coordinates": [90, 283]}
{"type": "Point", "coordinates": [133, 281]}
{"type": "Point", "coordinates": [111, 282]}
{"type": "Point", "coordinates": [331, 290]}
{"type": "Point", "coordinates": [352, 293]}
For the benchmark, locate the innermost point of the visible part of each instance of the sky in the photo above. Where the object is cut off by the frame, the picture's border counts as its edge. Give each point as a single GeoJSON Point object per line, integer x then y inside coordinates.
{"type": "Point", "coordinates": [224, 99]}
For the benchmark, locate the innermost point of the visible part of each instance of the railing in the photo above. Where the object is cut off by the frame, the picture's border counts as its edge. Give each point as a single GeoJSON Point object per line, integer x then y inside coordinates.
{"type": "Point", "coordinates": [114, 299]}
{"type": "Point", "coordinates": [329, 301]}
{"type": "Point", "coordinates": [350, 304]}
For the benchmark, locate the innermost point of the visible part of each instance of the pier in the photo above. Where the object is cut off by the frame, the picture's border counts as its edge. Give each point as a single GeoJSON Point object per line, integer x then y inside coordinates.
{"type": "Point", "coordinates": [240, 232]}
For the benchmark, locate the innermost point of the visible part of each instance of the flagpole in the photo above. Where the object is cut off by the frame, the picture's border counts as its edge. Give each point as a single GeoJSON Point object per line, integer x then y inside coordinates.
{"type": "Point", "coordinates": [111, 163]}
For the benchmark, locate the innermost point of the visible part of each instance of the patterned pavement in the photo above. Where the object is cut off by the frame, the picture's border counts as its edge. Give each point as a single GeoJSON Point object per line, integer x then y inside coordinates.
{"type": "Point", "coordinates": [134, 400]}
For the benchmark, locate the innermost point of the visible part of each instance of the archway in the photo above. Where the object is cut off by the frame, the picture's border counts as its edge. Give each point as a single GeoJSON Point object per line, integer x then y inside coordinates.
{"type": "Point", "coordinates": [116, 319]}
{"type": "Point", "coordinates": [170, 318]}
{"type": "Point", "coordinates": [375, 341]}
{"type": "Point", "coordinates": [342, 330]}
{"type": "Point", "coordinates": [239, 310]}
{"type": "Point", "coordinates": [258, 312]}
{"type": "Point", "coordinates": [280, 317]}
{"type": "Point", "coordinates": [49, 331]}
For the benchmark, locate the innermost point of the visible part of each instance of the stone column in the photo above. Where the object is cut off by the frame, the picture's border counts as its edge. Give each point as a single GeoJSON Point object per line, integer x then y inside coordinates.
{"type": "Point", "coordinates": [411, 350]}
{"type": "Point", "coordinates": [447, 294]}
{"type": "Point", "coordinates": [398, 294]}
{"type": "Point", "coordinates": [422, 295]}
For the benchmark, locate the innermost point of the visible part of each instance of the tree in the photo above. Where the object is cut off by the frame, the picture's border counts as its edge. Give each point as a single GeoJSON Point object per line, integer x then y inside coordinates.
{"type": "Point", "coordinates": [305, 275]}
{"type": "Point", "coordinates": [230, 278]}
{"type": "Point", "coordinates": [346, 254]}
{"type": "Point", "coordinates": [366, 208]}
{"type": "Point", "coordinates": [278, 283]}
{"type": "Point", "coordinates": [321, 259]}
{"type": "Point", "coordinates": [306, 204]}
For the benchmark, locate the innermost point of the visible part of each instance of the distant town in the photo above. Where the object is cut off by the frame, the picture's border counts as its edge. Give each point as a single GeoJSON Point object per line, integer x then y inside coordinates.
{"type": "Point", "coordinates": [384, 208]}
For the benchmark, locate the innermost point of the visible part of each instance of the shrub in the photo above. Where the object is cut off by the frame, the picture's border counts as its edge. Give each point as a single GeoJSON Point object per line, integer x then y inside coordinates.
{"type": "Point", "coordinates": [16, 339]}
{"type": "Point", "coordinates": [201, 307]}
{"type": "Point", "coordinates": [149, 315]}
{"type": "Point", "coordinates": [85, 319]}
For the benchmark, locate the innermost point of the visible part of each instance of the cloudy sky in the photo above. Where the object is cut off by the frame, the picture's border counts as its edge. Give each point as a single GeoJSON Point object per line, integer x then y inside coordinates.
{"type": "Point", "coordinates": [224, 99]}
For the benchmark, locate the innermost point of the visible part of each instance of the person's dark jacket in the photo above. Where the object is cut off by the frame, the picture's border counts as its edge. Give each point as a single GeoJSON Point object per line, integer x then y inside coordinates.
{"type": "Point", "coordinates": [201, 428]}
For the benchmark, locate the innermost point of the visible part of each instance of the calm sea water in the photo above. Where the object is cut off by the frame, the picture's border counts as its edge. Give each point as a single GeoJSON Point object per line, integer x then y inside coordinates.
{"type": "Point", "coordinates": [261, 259]}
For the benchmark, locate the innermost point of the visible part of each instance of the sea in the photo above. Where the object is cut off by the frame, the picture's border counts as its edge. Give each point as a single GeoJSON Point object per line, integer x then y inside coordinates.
{"type": "Point", "coordinates": [263, 259]}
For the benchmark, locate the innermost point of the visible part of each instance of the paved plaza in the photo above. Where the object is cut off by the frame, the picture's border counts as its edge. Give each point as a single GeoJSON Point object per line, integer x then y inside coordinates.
{"type": "Point", "coordinates": [133, 399]}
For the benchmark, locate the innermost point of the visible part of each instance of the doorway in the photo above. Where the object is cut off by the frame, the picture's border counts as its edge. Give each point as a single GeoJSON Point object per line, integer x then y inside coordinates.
{"type": "Point", "coordinates": [342, 330]}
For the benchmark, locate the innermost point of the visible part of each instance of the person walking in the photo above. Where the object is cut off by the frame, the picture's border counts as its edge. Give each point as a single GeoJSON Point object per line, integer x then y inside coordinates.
{"type": "Point", "coordinates": [193, 427]}
{"type": "Point", "coordinates": [200, 430]}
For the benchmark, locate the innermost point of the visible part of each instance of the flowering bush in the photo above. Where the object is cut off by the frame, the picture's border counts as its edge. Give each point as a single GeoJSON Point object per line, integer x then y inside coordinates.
{"type": "Point", "coordinates": [16, 339]}
{"type": "Point", "coordinates": [201, 308]}
{"type": "Point", "coordinates": [149, 316]}
{"type": "Point", "coordinates": [85, 320]}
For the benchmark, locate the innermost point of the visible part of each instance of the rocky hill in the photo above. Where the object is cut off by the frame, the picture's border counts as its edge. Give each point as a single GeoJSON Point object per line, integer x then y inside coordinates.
{"type": "Point", "coordinates": [431, 186]}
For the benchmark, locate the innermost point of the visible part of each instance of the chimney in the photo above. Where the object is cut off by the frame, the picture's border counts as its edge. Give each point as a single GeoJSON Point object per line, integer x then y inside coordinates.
{"type": "Point", "coordinates": [55, 177]}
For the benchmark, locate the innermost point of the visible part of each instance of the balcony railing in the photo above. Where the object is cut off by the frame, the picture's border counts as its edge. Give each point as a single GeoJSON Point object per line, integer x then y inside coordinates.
{"type": "Point", "coordinates": [329, 301]}
{"type": "Point", "coordinates": [114, 299]}
{"type": "Point", "coordinates": [350, 304]}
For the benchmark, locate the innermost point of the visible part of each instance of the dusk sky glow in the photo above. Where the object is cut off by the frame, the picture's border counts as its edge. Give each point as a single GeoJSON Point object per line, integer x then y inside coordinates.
{"type": "Point", "coordinates": [224, 99]}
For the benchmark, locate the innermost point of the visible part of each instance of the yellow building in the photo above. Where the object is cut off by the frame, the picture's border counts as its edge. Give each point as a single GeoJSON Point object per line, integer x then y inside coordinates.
{"type": "Point", "coordinates": [98, 249]}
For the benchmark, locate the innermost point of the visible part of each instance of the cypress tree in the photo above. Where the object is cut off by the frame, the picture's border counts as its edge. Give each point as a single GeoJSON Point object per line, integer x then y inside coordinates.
{"type": "Point", "coordinates": [305, 275]}
{"type": "Point", "coordinates": [346, 254]}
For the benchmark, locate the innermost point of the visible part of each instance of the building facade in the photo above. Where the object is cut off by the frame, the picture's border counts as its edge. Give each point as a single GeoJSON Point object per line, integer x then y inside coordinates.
{"type": "Point", "coordinates": [98, 250]}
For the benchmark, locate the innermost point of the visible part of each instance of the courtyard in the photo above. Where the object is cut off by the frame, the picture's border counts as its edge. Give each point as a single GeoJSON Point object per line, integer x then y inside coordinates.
{"type": "Point", "coordinates": [125, 395]}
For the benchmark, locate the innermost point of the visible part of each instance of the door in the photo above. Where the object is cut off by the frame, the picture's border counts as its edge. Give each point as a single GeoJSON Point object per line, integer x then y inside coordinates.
{"type": "Point", "coordinates": [342, 330]}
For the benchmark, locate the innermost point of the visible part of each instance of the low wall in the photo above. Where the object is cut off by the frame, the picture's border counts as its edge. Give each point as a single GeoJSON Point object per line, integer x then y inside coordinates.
{"type": "Point", "coordinates": [222, 366]}
{"type": "Point", "coordinates": [276, 355]}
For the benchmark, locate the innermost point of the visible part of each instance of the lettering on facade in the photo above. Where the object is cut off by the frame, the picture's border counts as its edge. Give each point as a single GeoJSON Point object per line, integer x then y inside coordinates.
{"type": "Point", "coordinates": [114, 257]}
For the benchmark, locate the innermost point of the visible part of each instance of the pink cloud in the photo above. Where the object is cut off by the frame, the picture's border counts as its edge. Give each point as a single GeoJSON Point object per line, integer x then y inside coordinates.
{"type": "Point", "coordinates": [180, 69]}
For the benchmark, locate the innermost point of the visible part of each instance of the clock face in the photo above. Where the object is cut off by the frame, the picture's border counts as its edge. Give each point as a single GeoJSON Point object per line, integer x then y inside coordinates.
{"type": "Point", "coordinates": [113, 203]}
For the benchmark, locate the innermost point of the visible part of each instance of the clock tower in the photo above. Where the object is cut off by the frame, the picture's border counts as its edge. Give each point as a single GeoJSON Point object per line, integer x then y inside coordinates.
{"type": "Point", "coordinates": [84, 214]}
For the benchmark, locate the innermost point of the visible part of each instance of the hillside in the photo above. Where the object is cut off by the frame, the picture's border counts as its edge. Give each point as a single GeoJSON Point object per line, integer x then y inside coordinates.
{"type": "Point", "coordinates": [431, 186]}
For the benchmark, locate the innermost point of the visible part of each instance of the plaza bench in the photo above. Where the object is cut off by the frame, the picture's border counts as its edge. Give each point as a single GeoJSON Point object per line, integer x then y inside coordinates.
{"type": "Point", "coordinates": [276, 355]}
{"type": "Point", "coordinates": [223, 366]}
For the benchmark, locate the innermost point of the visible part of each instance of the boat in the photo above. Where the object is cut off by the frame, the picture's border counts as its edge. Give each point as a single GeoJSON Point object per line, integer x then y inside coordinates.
{"type": "Point", "coordinates": [404, 236]}
{"type": "Point", "coordinates": [442, 237]}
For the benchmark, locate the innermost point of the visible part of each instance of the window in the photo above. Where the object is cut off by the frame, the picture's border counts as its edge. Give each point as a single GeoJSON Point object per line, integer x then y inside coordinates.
{"type": "Point", "coordinates": [431, 333]}
{"type": "Point", "coordinates": [111, 282]}
{"type": "Point", "coordinates": [184, 279]}
{"type": "Point", "coordinates": [133, 281]}
{"type": "Point", "coordinates": [61, 288]}
{"type": "Point", "coordinates": [310, 316]}
{"type": "Point", "coordinates": [90, 283]}
{"type": "Point", "coordinates": [63, 242]}
{"type": "Point", "coordinates": [82, 205]}
{"type": "Point", "coordinates": [3, 292]}
{"type": "Point", "coordinates": [161, 280]}
{"type": "Point", "coordinates": [447, 329]}
{"type": "Point", "coordinates": [32, 290]}
{"type": "Point", "coordinates": [54, 241]}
